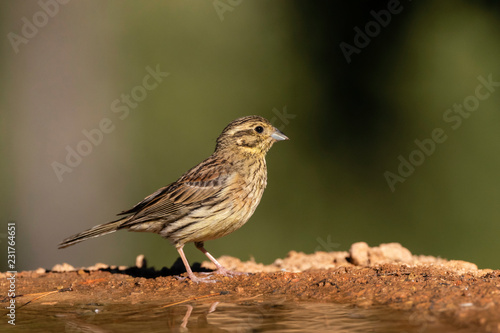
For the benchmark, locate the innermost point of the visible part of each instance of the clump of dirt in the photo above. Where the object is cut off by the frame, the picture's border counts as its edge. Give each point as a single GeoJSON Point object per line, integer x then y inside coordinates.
{"type": "Point", "coordinates": [360, 254]}
{"type": "Point", "coordinates": [433, 289]}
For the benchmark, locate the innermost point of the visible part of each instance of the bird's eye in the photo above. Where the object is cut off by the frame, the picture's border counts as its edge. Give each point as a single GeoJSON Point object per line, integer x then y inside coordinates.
{"type": "Point", "coordinates": [259, 129]}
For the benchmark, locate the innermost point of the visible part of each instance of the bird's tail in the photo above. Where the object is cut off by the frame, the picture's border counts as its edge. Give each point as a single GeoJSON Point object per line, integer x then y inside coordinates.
{"type": "Point", "coordinates": [96, 231]}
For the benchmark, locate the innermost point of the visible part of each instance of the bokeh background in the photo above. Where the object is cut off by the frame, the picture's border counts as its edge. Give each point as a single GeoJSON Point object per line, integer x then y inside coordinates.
{"type": "Point", "coordinates": [349, 120]}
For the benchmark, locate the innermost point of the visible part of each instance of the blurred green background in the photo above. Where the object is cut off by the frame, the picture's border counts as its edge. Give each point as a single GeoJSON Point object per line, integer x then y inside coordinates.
{"type": "Point", "coordinates": [349, 121]}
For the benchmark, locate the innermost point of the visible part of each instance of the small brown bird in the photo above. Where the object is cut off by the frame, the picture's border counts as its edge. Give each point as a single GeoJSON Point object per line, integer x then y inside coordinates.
{"type": "Point", "coordinates": [211, 200]}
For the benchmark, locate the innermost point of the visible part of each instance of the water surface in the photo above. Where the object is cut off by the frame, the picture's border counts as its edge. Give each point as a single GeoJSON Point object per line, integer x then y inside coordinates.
{"type": "Point", "coordinates": [269, 315]}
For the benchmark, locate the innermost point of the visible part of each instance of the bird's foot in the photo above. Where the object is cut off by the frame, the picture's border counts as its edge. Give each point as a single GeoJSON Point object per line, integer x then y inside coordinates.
{"type": "Point", "coordinates": [195, 279]}
{"type": "Point", "coordinates": [226, 272]}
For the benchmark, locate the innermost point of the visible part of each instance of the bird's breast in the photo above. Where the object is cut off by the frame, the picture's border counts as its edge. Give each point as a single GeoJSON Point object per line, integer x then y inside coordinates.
{"type": "Point", "coordinates": [250, 186]}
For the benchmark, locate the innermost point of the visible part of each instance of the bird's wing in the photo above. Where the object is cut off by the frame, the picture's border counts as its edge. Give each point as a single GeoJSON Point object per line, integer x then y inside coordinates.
{"type": "Point", "coordinates": [177, 199]}
{"type": "Point", "coordinates": [149, 200]}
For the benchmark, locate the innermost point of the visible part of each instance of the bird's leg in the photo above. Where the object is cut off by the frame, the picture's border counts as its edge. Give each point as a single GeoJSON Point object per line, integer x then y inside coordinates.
{"type": "Point", "coordinates": [191, 276]}
{"type": "Point", "coordinates": [186, 316]}
{"type": "Point", "coordinates": [220, 269]}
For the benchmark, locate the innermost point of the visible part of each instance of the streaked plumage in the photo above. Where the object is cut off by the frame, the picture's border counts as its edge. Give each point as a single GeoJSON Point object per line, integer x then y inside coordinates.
{"type": "Point", "coordinates": [209, 201]}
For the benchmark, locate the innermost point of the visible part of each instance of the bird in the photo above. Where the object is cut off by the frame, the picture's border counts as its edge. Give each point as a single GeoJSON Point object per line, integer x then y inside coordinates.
{"type": "Point", "coordinates": [210, 200]}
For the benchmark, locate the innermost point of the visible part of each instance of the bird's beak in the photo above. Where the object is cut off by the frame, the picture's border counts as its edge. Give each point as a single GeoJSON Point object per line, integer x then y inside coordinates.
{"type": "Point", "coordinates": [278, 136]}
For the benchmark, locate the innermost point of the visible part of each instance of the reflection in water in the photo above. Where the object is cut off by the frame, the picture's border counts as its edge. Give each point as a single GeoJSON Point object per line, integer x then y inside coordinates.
{"type": "Point", "coordinates": [267, 315]}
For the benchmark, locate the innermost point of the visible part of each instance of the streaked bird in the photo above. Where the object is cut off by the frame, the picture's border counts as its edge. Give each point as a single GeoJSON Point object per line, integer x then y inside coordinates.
{"type": "Point", "coordinates": [209, 201]}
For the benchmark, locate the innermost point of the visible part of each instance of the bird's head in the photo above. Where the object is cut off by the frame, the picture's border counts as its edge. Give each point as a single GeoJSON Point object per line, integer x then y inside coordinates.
{"type": "Point", "coordinates": [249, 135]}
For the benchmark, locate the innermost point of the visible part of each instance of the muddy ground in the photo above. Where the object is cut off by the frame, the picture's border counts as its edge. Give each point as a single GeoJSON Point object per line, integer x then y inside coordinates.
{"type": "Point", "coordinates": [434, 290]}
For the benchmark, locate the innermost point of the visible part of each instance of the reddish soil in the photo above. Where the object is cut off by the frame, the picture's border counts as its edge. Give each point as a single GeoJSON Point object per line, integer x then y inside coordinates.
{"type": "Point", "coordinates": [435, 290]}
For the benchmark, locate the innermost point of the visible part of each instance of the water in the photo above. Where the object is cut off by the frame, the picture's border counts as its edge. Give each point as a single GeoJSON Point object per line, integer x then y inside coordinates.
{"type": "Point", "coordinates": [270, 315]}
